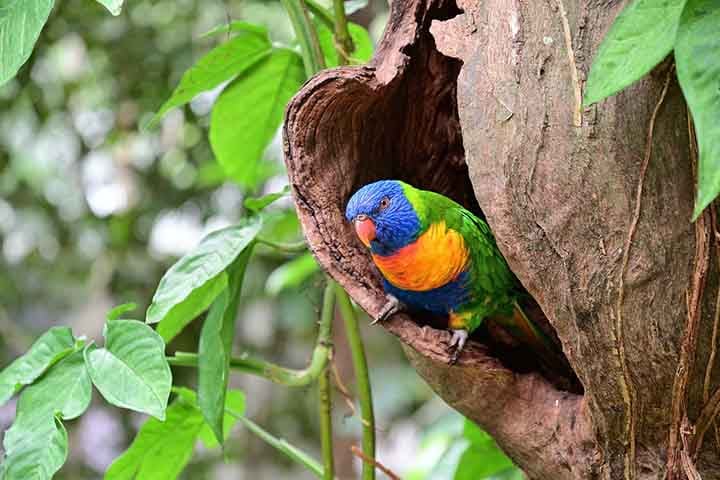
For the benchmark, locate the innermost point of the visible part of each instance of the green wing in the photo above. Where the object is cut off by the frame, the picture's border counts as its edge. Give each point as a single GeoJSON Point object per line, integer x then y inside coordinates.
{"type": "Point", "coordinates": [493, 286]}
{"type": "Point", "coordinates": [495, 290]}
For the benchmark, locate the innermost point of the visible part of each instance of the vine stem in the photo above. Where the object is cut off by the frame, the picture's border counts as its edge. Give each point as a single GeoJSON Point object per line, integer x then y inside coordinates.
{"type": "Point", "coordinates": [321, 13]}
{"type": "Point", "coordinates": [362, 378]}
{"type": "Point", "coordinates": [280, 444]}
{"type": "Point", "coordinates": [343, 40]}
{"type": "Point", "coordinates": [306, 35]}
{"type": "Point", "coordinates": [326, 439]}
{"type": "Point", "coordinates": [275, 373]}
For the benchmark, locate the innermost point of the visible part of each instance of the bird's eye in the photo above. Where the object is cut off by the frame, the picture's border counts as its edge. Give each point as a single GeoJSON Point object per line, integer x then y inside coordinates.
{"type": "Point", "coordinates": [384, 203]}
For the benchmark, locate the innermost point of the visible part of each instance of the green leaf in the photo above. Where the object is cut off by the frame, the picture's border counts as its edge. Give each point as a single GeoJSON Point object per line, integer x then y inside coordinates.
{"type": "Point", "coordinates": [640, 38]}
{"type": "Point", "coordinates": [237, 27]}
{"type": "Point", "coordinates": [52, 346]}
{"type": "Point", "coordinates": [113, 6]}
{"type": "Point", "coordinates": [131, 371]}
{"type": "Point", "coordinates": [215, 349]}
{"type": "Point", "coordinates": [190, 286]}
{"type": "Point", "coordinates": [40, 454]}
{"type": "Point", "coordinates": [193, 305]}
{"type": "Point", "coordinates": [697, 57]}
{"type": "Point", "coordinates": [117, 312]}
{"type": "Point", "coordinates": [249, 111]}
{"type": "Point", "coordinates": [361, 39]}
{"type": "Point", "coordinates": [36, 443]}
{"type": "Point", "coordinates": [235, 402]}
{"type": "Point", "coordinates": [160, 450]}
{"type": "Point", "coordinates": [20, 24]}
{"type": "Point", "coordinates": [482, 458]}
{"type": "Point", "coordinates": [291, 274]}
{"type": "Point", "coordinates": [255, 204]}
{"type": "Point", "coordinates": [221, 64]}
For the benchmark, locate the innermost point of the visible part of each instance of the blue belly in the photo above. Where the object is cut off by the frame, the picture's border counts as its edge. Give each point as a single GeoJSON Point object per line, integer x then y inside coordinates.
{"type": "Point", "coordinates": [440, 301]}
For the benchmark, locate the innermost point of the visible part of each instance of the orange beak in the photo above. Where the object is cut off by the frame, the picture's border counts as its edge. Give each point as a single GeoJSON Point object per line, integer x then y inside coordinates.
{"type": "Point", "coordinates": [365, 229]}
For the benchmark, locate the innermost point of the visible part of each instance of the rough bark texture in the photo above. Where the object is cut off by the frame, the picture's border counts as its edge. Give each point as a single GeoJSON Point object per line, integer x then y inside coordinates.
{"type": "Point", "coordinates": [481, 101]}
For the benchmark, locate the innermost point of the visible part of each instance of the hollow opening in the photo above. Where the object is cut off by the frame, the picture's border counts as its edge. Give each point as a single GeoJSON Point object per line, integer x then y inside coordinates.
{"type": "Point", "coordinates": [397, 118]}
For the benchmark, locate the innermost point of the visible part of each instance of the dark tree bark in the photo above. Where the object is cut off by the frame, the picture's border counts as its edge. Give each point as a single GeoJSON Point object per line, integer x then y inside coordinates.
{"type": "Point", "coordinates": [481, 101]}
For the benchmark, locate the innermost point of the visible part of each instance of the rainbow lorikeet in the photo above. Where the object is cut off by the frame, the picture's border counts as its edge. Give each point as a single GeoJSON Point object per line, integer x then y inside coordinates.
{"type": "Point", "coordinates": [436, 256]}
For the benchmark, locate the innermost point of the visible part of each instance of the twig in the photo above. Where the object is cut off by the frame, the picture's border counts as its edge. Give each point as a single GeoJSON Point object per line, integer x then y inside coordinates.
{"type": "Point", "coordinates": [343, 389]}
{"type": "Point", "coordinates": [689, 344]}
{"type": "Point", "coordinates": [276, 373]}
{"type": "Point", "coordinates": [362, 378]}
{"type": "Point", "coordinates": [371, 461]}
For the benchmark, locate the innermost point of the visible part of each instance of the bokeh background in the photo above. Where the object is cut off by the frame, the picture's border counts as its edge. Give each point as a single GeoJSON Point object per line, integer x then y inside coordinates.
{"type": "Point", "coordinates": [93, 210]}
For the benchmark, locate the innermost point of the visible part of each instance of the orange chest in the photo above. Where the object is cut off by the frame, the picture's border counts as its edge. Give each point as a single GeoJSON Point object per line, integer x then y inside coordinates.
{"type": "Point", "coordinates": [436, 258]}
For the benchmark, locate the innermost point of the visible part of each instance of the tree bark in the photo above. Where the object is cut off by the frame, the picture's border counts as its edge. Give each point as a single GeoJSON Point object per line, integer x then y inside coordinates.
{"type": "Point", "coordinates": [591, 207]}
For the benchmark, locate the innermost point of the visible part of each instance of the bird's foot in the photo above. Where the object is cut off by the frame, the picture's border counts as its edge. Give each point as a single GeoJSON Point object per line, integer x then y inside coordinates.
{"type": "Point", "coordinates": [457, 343]}
{"type": "Point", "coordinates": [391, 307]}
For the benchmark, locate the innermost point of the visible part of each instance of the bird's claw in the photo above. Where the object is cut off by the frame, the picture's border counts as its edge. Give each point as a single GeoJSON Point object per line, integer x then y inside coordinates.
{"type": "Point", "coordinates": [391, 307]}
{"type": "Point", "coordinates": [457, 343]}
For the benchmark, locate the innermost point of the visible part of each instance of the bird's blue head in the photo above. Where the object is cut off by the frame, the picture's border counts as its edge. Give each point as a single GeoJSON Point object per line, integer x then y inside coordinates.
{"type": "Point", "coordinates": [384, 218]}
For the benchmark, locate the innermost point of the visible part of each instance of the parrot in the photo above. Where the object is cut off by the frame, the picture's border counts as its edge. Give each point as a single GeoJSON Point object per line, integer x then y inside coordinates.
{"type": "Point", "coordinates": [437, 257]}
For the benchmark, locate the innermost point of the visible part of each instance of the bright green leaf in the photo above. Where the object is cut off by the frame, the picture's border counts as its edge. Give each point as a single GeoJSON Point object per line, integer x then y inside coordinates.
{"type": "Point", "coordinates": [221, 64]}
{"type": "Point", "coordinates": [190, 286]}
{"type": "Point", "coordinates": [20, 24]}
{"type": "Point", "coordinates": [237, 27]}
{"type": "Point", "coordinates": [36, 443]}
{"type": "Point", "coordinates": [193, 305]}
{"type": "Point", "coordinates": [361, 40]}
{"type": "Point", "coordinates": [47, 350]}
{"type": "Point", "coordinates": [642, 35]}
{"type": "Point", "coordinates": [482, 458]}
{"type": "Point", "coordinates": [117, 312]}
{"type": "Point", "coordinates": [697, 57]}
{"type": "Point", "coordinates": [113, 6]}
{"type": "Point", "coordinates": [131, 371]}
{"type": "Point", "coordinates": [255, 204]}
{"type": "Point", "coordinates": [291, 274]}
{"type": "Point", "coordinates": [215, 348]}
{"type": "Point", "coordinates": [249, 111]}
{"type": "Point", "coordinates": [160, 450]}
{"type": "Point", "coordinates": [234, 401]}
{"type": "Point", "coordinates": [39, 455]}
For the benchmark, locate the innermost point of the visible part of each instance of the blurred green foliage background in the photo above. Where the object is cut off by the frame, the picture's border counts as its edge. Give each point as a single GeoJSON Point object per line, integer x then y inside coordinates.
{"type": "Point", "coordinates": [94, 209]}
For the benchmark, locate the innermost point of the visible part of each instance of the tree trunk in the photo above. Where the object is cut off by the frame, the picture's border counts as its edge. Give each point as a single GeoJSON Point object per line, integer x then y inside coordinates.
{"type": "Point", "coordinates": [591, 207]}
